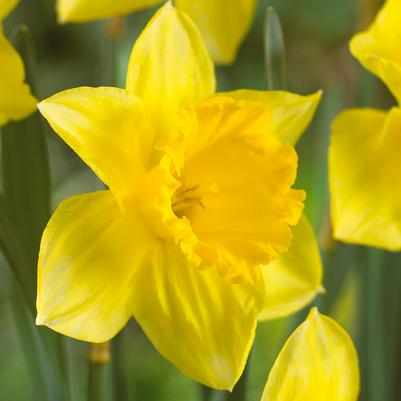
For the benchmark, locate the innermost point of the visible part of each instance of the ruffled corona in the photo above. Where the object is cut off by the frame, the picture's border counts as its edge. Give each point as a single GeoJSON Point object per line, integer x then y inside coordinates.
{"type": "Point", "coordinates": [233, 212]}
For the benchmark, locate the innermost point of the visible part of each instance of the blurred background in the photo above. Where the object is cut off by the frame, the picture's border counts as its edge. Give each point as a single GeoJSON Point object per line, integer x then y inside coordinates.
{"type": "Point", "coordinates": [362, 285]}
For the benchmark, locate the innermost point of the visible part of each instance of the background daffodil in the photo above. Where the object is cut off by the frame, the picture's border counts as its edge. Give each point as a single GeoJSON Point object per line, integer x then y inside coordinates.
{"type": "Point", "coordinates": [318, 362]}
{"type": "Point", "coordinates": [16, 101]}
{"type": "Point", "coordinates": [200, 197]}
{"type": "Point", "coordinates": [223, 23]}
{"type": "Point", "coordinates": [364, 160]}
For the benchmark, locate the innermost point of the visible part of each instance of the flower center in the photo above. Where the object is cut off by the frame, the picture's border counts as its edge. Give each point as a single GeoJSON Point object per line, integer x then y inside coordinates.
{"type": "Point", "coordinates": [186, 197]}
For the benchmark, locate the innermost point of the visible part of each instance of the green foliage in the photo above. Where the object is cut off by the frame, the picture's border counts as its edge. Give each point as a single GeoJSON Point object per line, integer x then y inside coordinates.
{"type": "Point", "coordinates": [316, 33]}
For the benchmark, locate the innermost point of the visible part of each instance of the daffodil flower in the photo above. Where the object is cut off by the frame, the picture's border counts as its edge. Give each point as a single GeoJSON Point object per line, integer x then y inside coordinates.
{"type": "Point", "coordinates": [318, 362]}
{"type": "Point", "coordinates": [199, 198]}
{"type": "Point", "coordinates": [364, 160]}
{"type": "Point", "coordinates": [16, 101]}
{"type": "Point", "coordinates": [223, 23]}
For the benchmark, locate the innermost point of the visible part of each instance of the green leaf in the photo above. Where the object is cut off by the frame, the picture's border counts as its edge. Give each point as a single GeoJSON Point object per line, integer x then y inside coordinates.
{"type": "Point", "coordinates": [13, 253]}
{"type": "Point", "coordinates": [24, 213]}
{"type": "Point", "coordinates": [26, 177]}
{"type": "Point", "coordinates": [45, 382]}
{"type": "Point", "coordinates": [275, 56]}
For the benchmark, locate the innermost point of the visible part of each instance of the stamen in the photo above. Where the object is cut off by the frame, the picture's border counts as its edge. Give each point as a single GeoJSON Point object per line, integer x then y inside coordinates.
{"type": "Point", "coordinates": [186, 197]}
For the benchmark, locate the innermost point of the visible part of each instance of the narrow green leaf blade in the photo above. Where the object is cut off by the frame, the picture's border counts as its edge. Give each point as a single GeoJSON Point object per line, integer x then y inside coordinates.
{"type": "Point", "coordinates": [25, 212]}
{"type": "Point", "coordinates": [275, 56]}
{"type": "Point", "coordinates": [26, 177]}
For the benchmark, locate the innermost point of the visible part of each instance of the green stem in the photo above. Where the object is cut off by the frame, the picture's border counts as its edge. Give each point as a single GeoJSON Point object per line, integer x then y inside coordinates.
{"type": "Point", "coordinates": [206, 393]}
{"type": "Point", "coordinates": [26, 181]}
{"type": "Point", "coordinates": [12, 251]}
{"type": "Point", "coordinates": [113, 31]}
{"type": "Point", "coordinates": [392, 312]}
{"type": "Point", "coordinates": [119, 368]}
{"type": "Point", "coordinates": [46, 382]}
{"type": "Point", "coordinates": [338, 262]}
{"type": "Point", "coordinates": [99, 359]}
{"type": "Point", "coordinates": [372, 338]}
{"type": "Point", "coordinates": [24, 213]}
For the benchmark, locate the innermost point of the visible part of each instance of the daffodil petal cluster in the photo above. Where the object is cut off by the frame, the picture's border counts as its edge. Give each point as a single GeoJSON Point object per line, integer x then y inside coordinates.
{"type": "Point", "coordinates": [318, 362]}
{"type": "Point", "coordinates": [378, 48]}
{"type": "Point", "coordinates": [16, 101]}
{"type": "Point", "coordinates": [200, 201]}
{"type": "Point", "coordinates": [223, 23]}
{"type": "Point", "coordinates": [363, 157]}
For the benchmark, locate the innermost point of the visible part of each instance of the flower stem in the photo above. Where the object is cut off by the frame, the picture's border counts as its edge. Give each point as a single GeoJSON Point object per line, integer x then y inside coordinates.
{"type": "Point", "coordinates": [371, 339]}
{"type": "Point", "coordinates": [114, 29]}
{"type": "Point", "coordinates": [25, 209]}
{"type": "Point", "coordinates": [119, 368]}
{"type": "Point", "coordinates": [99, 358]}
{"type": "Point", "coordinates": [206, 393]}
{"type": "Point", "coordinates": [44, 379]}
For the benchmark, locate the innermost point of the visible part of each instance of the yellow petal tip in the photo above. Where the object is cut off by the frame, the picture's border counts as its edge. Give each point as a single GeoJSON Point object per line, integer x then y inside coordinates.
{"type": "Point", "coordinates": [318, 362]}
{"type": "Point", "coordinates": [40, 321]}
{"type": "Point", "coordinates": [42, 105]}
{"type": "Point", "coordinates": [313, 313]}
{"type": "Point", "coordinates": [319, 93]}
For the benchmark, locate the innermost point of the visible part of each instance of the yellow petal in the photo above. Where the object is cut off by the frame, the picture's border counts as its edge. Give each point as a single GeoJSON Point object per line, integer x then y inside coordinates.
{"type": "Point", "coordinates": [318, 362]}
{"type": "Point", "coordinates": [88, 254]}
{"type": "Point", "coordinates": [378, 49]}
{"type": "Point", "coordinates": [87, 10]}
{"type": "Point", "coordinates": [290, 113]}
{"type": "Point", "coordinates": [365, 183]}
{"type": "Point", "coordinates": [6, 6]}
{"type": "Point", "coordinates": [236, 186]}
{"type": "Point", "coordinates": [16, 101]}
{"type": "Point", "coordinates": [108, 129]}
{"type": "Point", "coordinates": [170, 67]}
{"type": "Point", "coordinates": [295, 278]}
{"type": "Point", "coordinates": [202, 324]}
{"type": "Point", "coordinates": [223, 24]}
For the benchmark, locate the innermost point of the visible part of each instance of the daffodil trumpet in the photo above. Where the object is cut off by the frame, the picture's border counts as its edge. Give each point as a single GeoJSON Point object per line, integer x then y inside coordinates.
{"type": "Point", "coordinates": [200, 206]}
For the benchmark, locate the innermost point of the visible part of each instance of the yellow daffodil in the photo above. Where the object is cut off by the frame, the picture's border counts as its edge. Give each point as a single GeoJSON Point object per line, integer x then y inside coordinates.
{"type": "Point", "coordinates": [16, 101]}
{"type": "Point", "coordinates": [378, 49]}
{"type": "Point", "coordinates": [318, 362]}
{"type": "Point", "coordinates": [223, 23]}
{"type": "Point", "coordinates": [199, 198]}
{"type": "Point", "coordinates": [364, 161]}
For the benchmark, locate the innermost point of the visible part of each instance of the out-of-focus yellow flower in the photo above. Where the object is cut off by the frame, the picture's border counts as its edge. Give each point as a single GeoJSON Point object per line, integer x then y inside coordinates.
{"type": "Point", "coordinates": [88, 10]}
{"type": "Point", "coordinates": [223, 23]}
{"type": "Point", "coordinates": [16, 101]}
{"type": "Point", "coordinates": [319, 362]}
{"type": "Point", "coordinates": [378, 49]}
{"type": "Point", "coordinates": [200, 196]}
{"type": "Point", "coordinates": [364, 161]}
